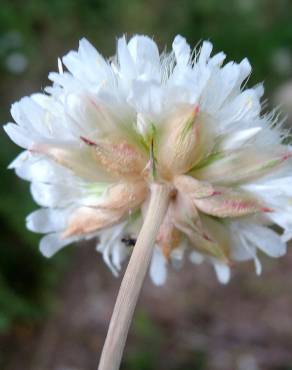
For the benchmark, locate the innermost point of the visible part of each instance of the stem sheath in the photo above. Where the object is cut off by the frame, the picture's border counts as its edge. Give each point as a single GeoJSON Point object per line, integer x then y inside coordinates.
{"type": "Point", "coordinates": [133, 279]}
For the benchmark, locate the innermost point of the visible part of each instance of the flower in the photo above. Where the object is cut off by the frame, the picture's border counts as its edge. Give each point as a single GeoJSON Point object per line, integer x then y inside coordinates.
{"type": "Point", "coordinates": [106, 129]}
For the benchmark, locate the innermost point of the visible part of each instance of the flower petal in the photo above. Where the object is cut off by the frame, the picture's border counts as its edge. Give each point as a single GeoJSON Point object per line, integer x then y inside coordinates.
{"type": "Point", "coordinates": [77, 158]}
{"type": "Point", "coordinates": [86, 220]}
{"type": "Point", "coordinates": [47, 220]}
{"type": "Point", "coordinates": [119, 159]}
{"type": "Point", "coordinates": [241, 165]}
{"type": "Point", "coordinates": [185, 140]}
{"type": "Point", "coordinates": [229, 204]}
{"type": "Point", "coordinates": [192, 187]}
{"type": "Point", "coordinates": [222, 272]}
{"type": "Point", "coordinates": [114, 252]}
{"type": "Point", "coordinates": [266, 240]}
{"type": "Point", "coordinates": [236, 139]}
{"type": "Point", "coordinates": [158, 272]}
{"type": "Point", "coordinates": [52, 243]}
{"type": "Point", "coordinates": [181, 50]}
{"type": "Point", "coordinates": [169, 237]}
{"type": "Point", "coordinates": [124, 196]}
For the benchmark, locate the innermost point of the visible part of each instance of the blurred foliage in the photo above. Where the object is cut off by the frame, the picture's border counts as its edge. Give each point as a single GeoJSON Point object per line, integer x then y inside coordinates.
{"type": "Point", "coordinates": [34, 32]}
{"type": "Point", "coordinates": [146, 332]}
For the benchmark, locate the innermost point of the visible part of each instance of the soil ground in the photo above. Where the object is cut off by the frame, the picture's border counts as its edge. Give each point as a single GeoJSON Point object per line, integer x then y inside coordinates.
{"type": "Point", "coordinates": [191, 323]}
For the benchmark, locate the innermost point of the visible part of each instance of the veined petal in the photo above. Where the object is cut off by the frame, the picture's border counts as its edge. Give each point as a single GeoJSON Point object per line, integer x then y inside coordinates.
{"type": "Point", "coordinates": [119, 159]}
{"type": "Point", "coordinates": [78, 159]}
{"type": "Point", "coordinates": [185, 140]}
{"type": "Point", "coordinates": [203, 244]}
{"type": "Point", "coordinates": [237, 139]}
{"type": "Point", "coordinates": [192, 187]}
{"type": "Point", "coordinates": [217, 230]}
{"type": "Point", "coordinates": [187, 220]}
{"type": "Point", "coordinates": [183, 212]}
{"type": "Point", "coordinates": [229, 204]}
{"type": "Point", "coordinates": [124, 196]}
{"type": "Point", "coordinates": [169, 236]}
{"type": "Point", "coordinates": [85, 220]}
{"type": "Point", "coordinates": [241, 165]}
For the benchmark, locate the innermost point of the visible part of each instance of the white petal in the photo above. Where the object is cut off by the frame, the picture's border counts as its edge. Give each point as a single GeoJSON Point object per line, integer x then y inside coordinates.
{"type": "Point", "coordinates": [143, 126]}
{"type": "Point", "coordinates": [237, 139]}
{"type": "Point", "coordinates": [113, 251]}
{"type": "Point", "coordinates": [269, 189]}
{"type": "Point", "coordinates": [47, 220]}
{"type": "Point", "coordinates": [177, 256]}
{"type": "Point", "coordinates": [19, 160]}
{"type": "Point", "coordinates": [258, 265]}
{"type": "Point", "coordinates": [223, 272]}
{"type": "Point", "coordinates": [87, 65]}
{"type": "Point", "coordinates": [196, 258]}
{"type": "Point", "coordinates": [52, 243]}
{"type": "Point", "coordinates": [158, 271]}
{"type": "Point", "coordinates": [51, 195]}
{"type": "Point", "coordinates": [266, 240]}
{"type": "Point", "coordinates": [217, 59]}
{"type": "Point", "coordinates": [18, 135]}
{"type": "Point", "coordinates": [119, 254]}
{"type": "Point", "coordinates": [146, 97]}
{"type": "Point", "coordinates": [145, 55]}
{"type": "Point", "coordinates": [30, 115]}
{"type": "Point", "coordinates": [205, 52]}
{"type": "Point", "coordinates": [245, 70]}
{"type": "Point", "coordinates": [126, 63]}
{"type": "Point", "coordinates": [240, 236]}
{"type": "Point", "coordinates": [287, 235]}
{"type": "Point", "coordinates": [181, 50]}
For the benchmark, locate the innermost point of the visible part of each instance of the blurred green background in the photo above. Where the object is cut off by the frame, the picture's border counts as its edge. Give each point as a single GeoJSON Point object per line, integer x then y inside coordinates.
{"type": "Point", "coordinates": [33, 33]}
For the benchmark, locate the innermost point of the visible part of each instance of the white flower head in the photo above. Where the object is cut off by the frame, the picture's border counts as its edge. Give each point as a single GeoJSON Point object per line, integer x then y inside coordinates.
{"type": "Point", "coordinates": [106, 129]}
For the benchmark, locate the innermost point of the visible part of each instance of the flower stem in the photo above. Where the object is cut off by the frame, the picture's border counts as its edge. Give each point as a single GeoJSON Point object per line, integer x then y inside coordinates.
{"type": "Point", "coordinates": [133, 279]}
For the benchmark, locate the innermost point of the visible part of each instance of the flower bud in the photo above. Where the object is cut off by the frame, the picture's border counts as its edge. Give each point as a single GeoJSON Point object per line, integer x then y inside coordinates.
{"type": "Point", "coordinates": [120, 159]}
{"type": "Point", "coordinates": [124, 196]}
{"type": "Point", "coordinates": [86, 220]}
{"type": "Point", "coordinates": [185, 139]}
{"type": "Point", "coordinates": [169, 237]}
